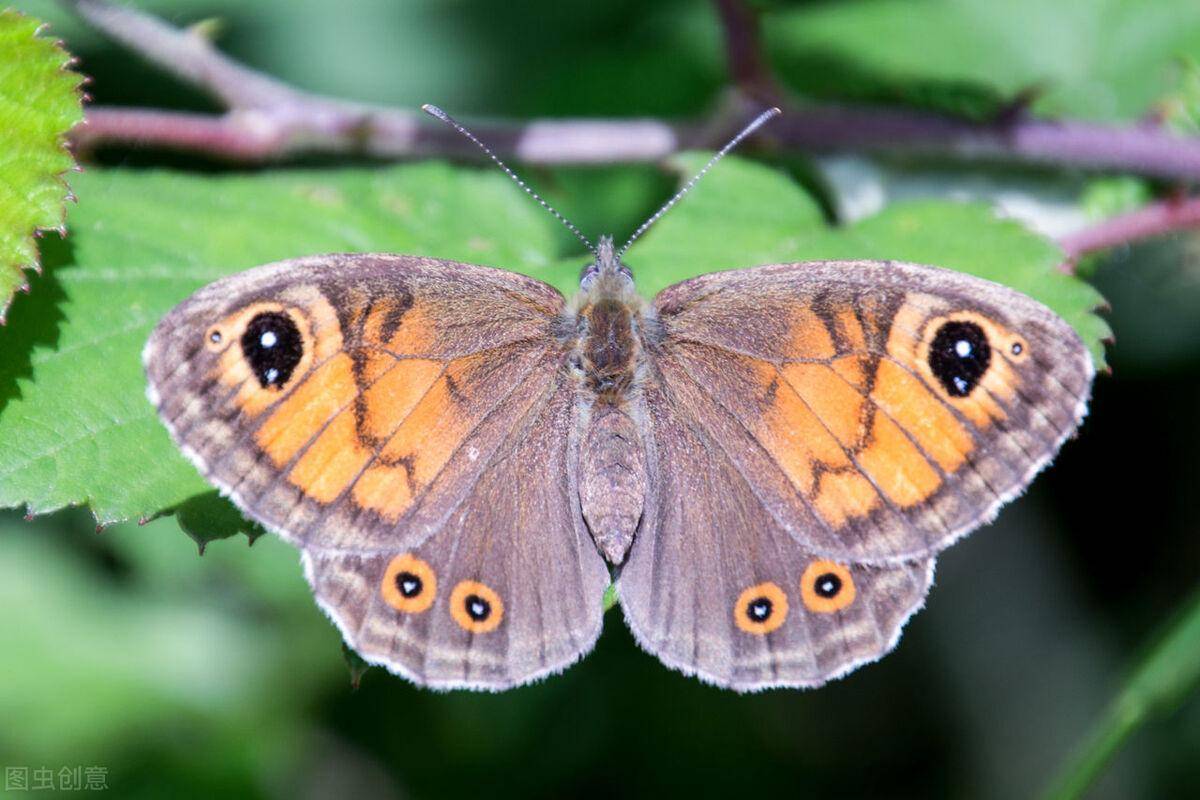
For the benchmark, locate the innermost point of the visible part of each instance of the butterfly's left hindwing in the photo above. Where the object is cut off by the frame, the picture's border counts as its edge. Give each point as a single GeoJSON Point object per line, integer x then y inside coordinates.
{"type": "Point", "coordinates": [390, 416]}
{"type": "Point", "coordinates": [716, 587]}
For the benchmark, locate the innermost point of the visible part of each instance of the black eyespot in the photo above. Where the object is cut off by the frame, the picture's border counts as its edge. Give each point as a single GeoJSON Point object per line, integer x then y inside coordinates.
{"type": "Point", "coordinates": [273, 346]}
{"type": "Point", "coordinates": [409, 584]}
{"type": "Point", "coordinates": [759, 609]}
{"type": "Point", "coordinates": [1017, 349]}
{"type": "Point", "coordinates": [215, 337]}
{"type": "Point", "coordinates": [959, 356]}
{"type": "Point", "coordinates": [827, 585]}
{"type": "Point", "coordinates": [477, 608]}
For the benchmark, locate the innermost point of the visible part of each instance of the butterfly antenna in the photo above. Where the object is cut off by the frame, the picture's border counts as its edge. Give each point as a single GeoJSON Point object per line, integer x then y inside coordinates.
{"type": "Point", "coordinates": [757, 123]}
{"type": "Point", "coordinates": [434, 111]}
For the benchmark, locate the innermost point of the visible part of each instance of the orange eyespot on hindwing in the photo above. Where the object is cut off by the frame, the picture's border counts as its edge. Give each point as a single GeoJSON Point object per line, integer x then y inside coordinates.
{"type": "Point", "coordinates": [272, 346]}
{"type": "Point", "coordinates": [760, 609]}
{"type": "Point", "coordinates": [959, 356]}
{"type": "Point", "coordinates": [827, 587]}
{"type": "Point", "coordinates": [409, 584]}
{"type": "Point", "coordinates": [476, 607]}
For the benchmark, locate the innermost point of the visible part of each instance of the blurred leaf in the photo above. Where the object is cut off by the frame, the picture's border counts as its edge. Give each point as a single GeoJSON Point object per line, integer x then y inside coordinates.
{"type": "Point", "coordinates": [1156, 285]}
{"type": "Point", "coordinates": [355, 664]}
{"type": "Point", "coordinates": [1167, 676]}
{"type": "Point", "coordinates": [80, 429]}
{"type": "Point", "coordinates": [619, 57]}
{"type": "Point", "coordinates": [39, 103]}
{"type": "Point", "coordinates": [754, 215]}
{"type": "Point", "coordinates": [1181, 107]}
{"type": "Point", "coordinates": [1118, 194]}
{"type": "Point", "coordinates": [157, 650]}
{"type": "Point", "coordinates": [1097, 59]}
{"type": "Point", "coordinates": [822, 75]}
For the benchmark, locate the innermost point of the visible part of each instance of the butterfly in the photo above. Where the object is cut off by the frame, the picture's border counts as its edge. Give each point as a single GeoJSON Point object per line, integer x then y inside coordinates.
{"type": "Point", "coordinates": [763, 462]}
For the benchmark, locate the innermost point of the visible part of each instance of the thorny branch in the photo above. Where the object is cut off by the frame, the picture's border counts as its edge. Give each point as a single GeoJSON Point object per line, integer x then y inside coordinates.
{"type": "Point", "coordinates": [269, 120]}
{"type": "Point", "coordinates": [1155, 219]}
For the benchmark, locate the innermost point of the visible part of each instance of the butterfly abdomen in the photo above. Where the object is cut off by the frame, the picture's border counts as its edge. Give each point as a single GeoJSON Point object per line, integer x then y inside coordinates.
{"type": "Point", "coordinates": [612, 469]}
{"type": "Point", "coordinates": [612, 479]}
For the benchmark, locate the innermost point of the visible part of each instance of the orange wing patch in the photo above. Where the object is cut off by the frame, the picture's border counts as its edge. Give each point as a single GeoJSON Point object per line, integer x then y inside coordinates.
{"type": "Point", "coordinates": [423, 429]}
{"type": "Point", "coordinates": [330, 464]}
{"type": "Point", "coordinates": [303, 413]}
{"type": "Point", "coordinates": [851, 330]}
{"type": "Point", "coordinates": [811, 340]}
{"type": "Point", "coordinates": [842, 496]}
{"type": "Point", "coordinates": [393, 390]}
{"type": "Point", "coordinates": [925, 418]}
{"type": "Point", "coordinates": [399, 326]}
{"type": "Point", "coordinates": [792, 433]}
{"type": "Point", "coordinates": [896, 466]}
{"type": "Point", "coordinates": [434, 428]}
{"type": "Point", "coordinates": [838, 405]}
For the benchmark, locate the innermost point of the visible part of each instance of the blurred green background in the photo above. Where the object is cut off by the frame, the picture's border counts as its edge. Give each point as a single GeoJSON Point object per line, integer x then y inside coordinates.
{"type": "Point", "coordinates": [197, 677]}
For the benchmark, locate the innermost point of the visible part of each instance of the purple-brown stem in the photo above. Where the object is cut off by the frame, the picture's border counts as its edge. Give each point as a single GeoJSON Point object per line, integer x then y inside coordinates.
{"type": "Point", "coordinates": [269, 120]}
{"type": "Point", "coordinates": [1158, 218]}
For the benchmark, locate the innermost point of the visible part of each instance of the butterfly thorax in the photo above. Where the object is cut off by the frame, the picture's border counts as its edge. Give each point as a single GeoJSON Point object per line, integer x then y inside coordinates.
{"type": "Point", "coordinates": [607, 314]}
{"type": "Point", "coordinates": [608, 350]}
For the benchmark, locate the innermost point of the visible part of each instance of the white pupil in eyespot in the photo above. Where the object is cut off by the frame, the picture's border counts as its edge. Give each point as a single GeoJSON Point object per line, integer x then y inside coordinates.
{"type": "Point", "coordinates": [961, 384]}
{"type": "Point", "coordinates": [272, 375]}
{"type": "Point", "coordinates": [962, 347]}
{"type": "Point", "coordinates": [268, 339]}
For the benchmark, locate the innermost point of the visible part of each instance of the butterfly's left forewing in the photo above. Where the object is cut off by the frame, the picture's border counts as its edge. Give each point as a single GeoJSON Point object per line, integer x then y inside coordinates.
{"type": "Point", "coordinates": [882, 409]}
{"type": "Point", "coordinates": [407, 424]}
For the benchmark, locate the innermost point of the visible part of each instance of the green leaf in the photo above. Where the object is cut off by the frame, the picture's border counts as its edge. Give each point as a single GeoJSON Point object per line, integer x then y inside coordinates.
{"type": "Point", "coordinates": [39, 103]}
{"type": "Point", "coordinates": [756, 216]}
{"type": "Point", "coordinates": [76, 427]}
{"type": "Point", "coordinates": [207, 517]}
{"type": "Point", "coordinates": [1157, 687]}
{"type": "Point", "coordinates": [1096, 59]}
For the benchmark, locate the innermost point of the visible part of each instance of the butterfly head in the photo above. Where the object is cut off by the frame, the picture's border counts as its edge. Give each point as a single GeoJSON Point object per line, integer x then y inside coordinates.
{"type": "Point", "coordinates": [606, 273]}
